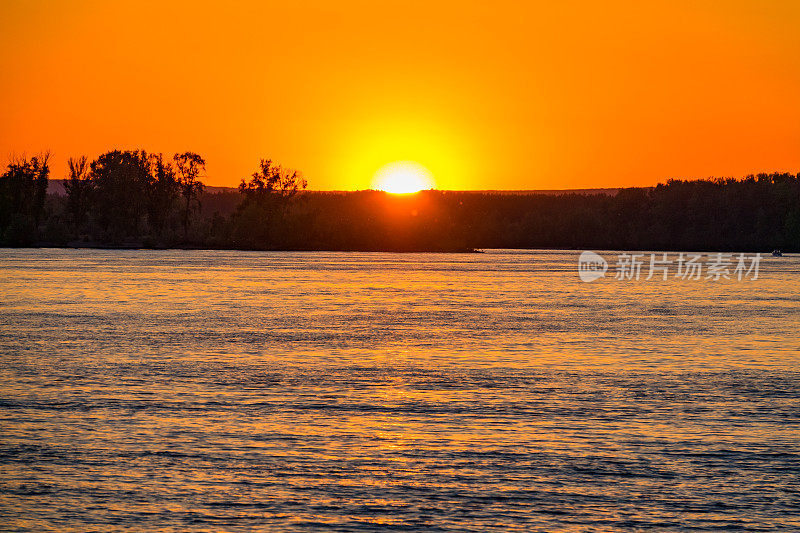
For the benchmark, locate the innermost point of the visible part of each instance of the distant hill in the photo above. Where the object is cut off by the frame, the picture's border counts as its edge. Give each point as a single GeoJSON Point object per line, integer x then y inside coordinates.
{"type": "Point", "coordinates": [606, 191]}
{"type": "Point", "coordinates": [56, 187]}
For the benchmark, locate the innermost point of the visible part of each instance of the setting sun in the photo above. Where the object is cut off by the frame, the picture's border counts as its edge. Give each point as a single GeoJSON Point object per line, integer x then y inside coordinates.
{"type": "Point", "coordinates": [403, 177]}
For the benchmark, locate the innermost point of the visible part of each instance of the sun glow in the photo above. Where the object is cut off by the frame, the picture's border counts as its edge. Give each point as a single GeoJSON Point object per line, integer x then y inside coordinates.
{"type": "Point", "coordinates": [403, 177]}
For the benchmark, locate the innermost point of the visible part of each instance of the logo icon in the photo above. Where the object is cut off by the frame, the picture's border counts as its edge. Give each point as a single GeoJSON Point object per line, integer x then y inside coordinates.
{"type": "Point", "coordinates": [591, 266]}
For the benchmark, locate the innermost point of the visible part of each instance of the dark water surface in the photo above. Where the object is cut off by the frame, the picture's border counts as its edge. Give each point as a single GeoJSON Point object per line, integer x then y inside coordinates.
{"type": "Point", "coordinates": [236, 391]}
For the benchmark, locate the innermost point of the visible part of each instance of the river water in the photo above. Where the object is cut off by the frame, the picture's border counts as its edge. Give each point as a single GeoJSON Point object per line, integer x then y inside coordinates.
{"type": "Point", "coordinates": [239, 391]}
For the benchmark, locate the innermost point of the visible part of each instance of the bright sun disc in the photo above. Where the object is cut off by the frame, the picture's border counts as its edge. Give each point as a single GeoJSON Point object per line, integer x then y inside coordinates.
{"type": "Point", "coordinates": [403, 177]}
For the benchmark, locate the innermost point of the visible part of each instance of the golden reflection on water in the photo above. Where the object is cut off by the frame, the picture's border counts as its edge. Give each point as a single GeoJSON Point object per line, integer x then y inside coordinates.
{"type": "Point", "coordinates": [206, 390]}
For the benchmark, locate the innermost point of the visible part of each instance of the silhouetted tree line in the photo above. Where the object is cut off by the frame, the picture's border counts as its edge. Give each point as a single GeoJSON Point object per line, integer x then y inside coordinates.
{"type": "Point", "coordinates": [131, 198]}
{"type": "Point", "coordinates": [23, 192]}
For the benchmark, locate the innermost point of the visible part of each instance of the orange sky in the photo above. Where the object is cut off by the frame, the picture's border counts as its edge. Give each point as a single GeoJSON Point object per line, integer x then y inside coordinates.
{"type": "Point", "coordinates": [487, 95]}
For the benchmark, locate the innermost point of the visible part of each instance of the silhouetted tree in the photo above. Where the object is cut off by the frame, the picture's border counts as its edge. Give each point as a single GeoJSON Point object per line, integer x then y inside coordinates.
{"type": "Point", "coordinates": [272, 183]}
{"type": "Point", "coordinates": [121, 181]}
{"type": "Point", "coordinates": [78, 187]}
{"type": "Point", "coordinates": [266, 198]}
{"type": "Point", "coordinates": [162, 192]}
{"type": "Point", "coordinates": [23, 190]}
{"type": "Point", "coordinates": [189, 167]}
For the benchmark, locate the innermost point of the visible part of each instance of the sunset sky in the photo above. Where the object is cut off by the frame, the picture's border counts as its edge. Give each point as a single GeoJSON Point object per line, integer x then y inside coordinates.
{"type": "Point", "coordinates": [485, 95]}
